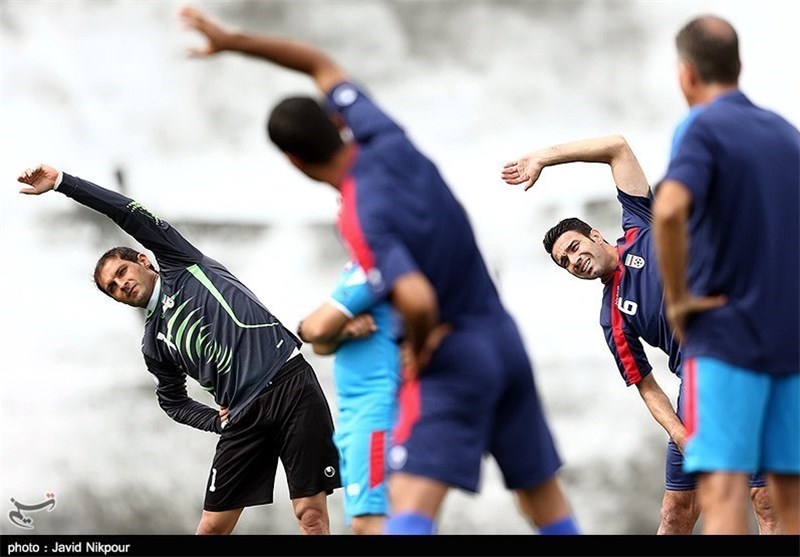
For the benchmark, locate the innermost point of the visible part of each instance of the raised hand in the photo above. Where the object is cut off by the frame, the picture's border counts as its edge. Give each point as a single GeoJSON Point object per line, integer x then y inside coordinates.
{"type": "Point", "coordinates": [40, 179]}
{"type": "Point", "coordinates": [216, 36]}
{"type": "Point", "coordinates": [525, 170]}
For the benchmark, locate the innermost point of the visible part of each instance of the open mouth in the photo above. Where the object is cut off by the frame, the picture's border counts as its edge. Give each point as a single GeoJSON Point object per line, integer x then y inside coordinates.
{"type": "Point", "coordinates": [586, 266]}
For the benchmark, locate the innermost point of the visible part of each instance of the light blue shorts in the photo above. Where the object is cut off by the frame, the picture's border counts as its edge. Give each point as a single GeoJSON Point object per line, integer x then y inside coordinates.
{"type": "Point", "coordinates": [740, 420]}
{"type": "Point", "coordinates": [362, 464]}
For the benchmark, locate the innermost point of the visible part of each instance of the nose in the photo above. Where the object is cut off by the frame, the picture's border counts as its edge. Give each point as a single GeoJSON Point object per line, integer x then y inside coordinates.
{"type": "Point", "coordinates": [573, 261]}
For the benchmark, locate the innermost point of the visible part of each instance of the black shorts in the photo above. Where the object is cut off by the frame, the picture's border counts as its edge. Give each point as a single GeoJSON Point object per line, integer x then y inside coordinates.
{"type": "Point", "coordinates": [290, 420]}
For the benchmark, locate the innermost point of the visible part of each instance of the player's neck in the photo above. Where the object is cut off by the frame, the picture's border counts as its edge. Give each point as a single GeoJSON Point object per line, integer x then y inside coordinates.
{"type": "Point", "coordinates": [341, 163]}
{"type": "Point", "coordinates": [711, 91]}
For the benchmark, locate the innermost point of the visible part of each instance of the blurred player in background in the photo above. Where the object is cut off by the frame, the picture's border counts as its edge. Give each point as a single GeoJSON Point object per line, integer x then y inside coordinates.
{"type": "Point", "coordinates": [726, 224]}
{"type": "Point", "coordinates": [632, 310]}
{"type": "Point", "coordinates": [362, 333]}
{"type": "Point", "coordinates": [474, 394]}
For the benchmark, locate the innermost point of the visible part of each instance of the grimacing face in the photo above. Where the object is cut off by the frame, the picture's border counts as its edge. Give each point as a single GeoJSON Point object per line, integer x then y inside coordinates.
{"type": "Point", "coordinates": [129, 282]}
{"type": "Point", "coordinates": [584, 257]}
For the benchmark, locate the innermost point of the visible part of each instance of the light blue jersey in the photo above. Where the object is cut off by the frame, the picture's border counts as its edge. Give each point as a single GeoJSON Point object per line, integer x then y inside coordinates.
{"type": "Point", "coordinates": [366, 376]}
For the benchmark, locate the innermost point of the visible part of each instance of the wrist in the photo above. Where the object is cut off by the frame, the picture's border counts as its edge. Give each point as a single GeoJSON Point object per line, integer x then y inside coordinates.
{"type": "Point", "coordinates": [232, 41]}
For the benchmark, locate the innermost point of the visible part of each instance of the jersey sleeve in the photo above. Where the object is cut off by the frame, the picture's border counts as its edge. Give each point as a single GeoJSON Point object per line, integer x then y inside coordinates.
{"type": "Point", "coordinates": [627, 350]}
{"type": "Point", "coordinates": [636, 210]}
{"type": "Point", "coordinates": [155, 234]}
{"type": "Point", "coordinates": [374, 244]}
{"type": "Point", "coordinates": [693, 162]}
{"type": "Point", "coordinates": [353, 294]}
{"type": "Point", "coordinates": [176, 402]}
{"type": "Point", "coordinates": [361, 115]}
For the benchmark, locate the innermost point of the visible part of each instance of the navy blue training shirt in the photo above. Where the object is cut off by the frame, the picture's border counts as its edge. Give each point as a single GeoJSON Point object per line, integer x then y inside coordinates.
{"type": "Point", "coordinates": [633, 301]}
{"type": "Point", "coordinates": [741, 164]}
{"type": "Point", "coordinates": [398, 215]}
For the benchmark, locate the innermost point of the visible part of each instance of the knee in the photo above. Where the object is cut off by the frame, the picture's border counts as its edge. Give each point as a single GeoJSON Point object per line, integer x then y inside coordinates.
{"type": "Point", "coordinates": [763, 509]}
{"type": "Point", "coordinates": [678, 518]}
{"type": "Point", "coordinates": [312, 519]}
{"type": "Point", "coordinates": [367, 525]}
{"type": "Point", "coordinates": [211, 527]}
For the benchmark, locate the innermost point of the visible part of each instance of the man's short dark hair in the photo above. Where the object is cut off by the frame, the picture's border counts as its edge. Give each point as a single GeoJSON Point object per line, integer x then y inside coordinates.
{"type": "Point", "coordinates": [711, 45]}
{"type": "Point", "coordinates": [120, 252]}
{"type": "Point", "coordinates": [299, 126]}
{"type": "Point", "coordinates": [564, 226]}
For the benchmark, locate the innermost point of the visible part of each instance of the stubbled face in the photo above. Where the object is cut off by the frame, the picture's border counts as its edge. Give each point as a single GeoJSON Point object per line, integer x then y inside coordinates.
{"type": "Point", "coordinates": [129, 282]}
{"type": "Point", "coordinates": [585, 258]}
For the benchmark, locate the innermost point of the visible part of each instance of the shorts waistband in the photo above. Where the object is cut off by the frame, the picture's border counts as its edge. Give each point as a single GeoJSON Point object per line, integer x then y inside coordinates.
{"type": "Point", "coordinates": [291, 365]}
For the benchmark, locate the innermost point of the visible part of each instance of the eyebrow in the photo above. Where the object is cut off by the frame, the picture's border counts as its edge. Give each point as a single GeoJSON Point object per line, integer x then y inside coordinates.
{"type": "Point", "coordinates": [563, 261]}
{"type": "Point", "coordinates": [116, 274]}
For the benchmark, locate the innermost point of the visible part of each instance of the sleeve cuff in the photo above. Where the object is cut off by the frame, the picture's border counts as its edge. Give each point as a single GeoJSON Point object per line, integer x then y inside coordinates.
{"type": "Point", "coordinates": [59, 179]}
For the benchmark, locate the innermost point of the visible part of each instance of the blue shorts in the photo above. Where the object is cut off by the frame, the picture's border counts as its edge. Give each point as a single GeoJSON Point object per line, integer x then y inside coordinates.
{"type": "Point", "coordinates": [677, 479]}
{"type": "Point", "coordinates": [740, 420]}
{"type": "Point", "coordinates": [476, 397]}
{"type": "Point", "coordinates": [362, 465]}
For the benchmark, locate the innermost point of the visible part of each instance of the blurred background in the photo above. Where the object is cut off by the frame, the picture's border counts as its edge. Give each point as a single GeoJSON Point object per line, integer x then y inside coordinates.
{"type": "Point", "coordinates": [104, 90]}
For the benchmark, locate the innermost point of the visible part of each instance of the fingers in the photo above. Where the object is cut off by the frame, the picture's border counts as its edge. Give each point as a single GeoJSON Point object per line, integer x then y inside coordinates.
{"type": "Point", "coordinates": [678, 334]}
{"type": "Point", "coordinates": [29, 175]}
{"type": "Point", "coordinates": [197, 52]}
{"type": "Point", "coordinates": [711, 302]}
{"type": "Point", "coordinates": [195, 19]}
{"type": "Point", "coordinates": [190, 15]}
{"type": "Point", "coordinates": [513, 175]}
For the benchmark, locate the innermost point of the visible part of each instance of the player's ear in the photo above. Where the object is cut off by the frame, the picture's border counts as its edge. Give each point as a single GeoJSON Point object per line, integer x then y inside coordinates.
{"type": "Point", "coordinates": [338, 121]}
{"type": "Point", "coordinates": [688, 77]}
{"type": "Point", "coordinates": [144, 261]}
{"type": "Point", "coordinates": [595, 236]}
{"type": "Point", "coordinates": [295, 160]}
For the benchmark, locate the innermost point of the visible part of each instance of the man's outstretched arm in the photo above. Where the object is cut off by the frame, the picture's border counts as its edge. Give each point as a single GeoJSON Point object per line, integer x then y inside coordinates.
{"type": "Point", "coordinates": [39, 180]}
{"type": "Point", "coordinates": [155, 234]}
{"type": "Point", "coordinates": [294, 55]}
{"type": "Point", "coordinates": [612, 150]}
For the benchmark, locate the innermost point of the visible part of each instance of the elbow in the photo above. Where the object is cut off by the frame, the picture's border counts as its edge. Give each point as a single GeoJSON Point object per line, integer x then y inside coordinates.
{"type": "Point", "coordinates": [619, 142]}
{"type": "Point", "coordinates": [421, 308]}
{"type": "Point", "coordinates": [315, 332]}
{"type": "Point", "coordinates": [671, 206]}
{"type": "Point", "coordinates": [321, 349]}
{"type": "Point", "coordinates": [619, 148]}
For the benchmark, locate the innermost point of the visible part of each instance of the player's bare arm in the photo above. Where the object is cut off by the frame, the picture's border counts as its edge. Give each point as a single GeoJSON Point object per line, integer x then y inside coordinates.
{"type": "Point", "coordinates": [328, 327]}
{"type": "Point", "coordinates": [661, 409]}
{"type": "Point", "coordinates": [294, 55]}
{"type": "Point", "coordinates": [39, 180]}
{"type": "Point", "coordinates": [612, 150]}
{"type": "Point", "coordinates": [415, 298]}
{"type": "Point", "coordinates": [670, 217]}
